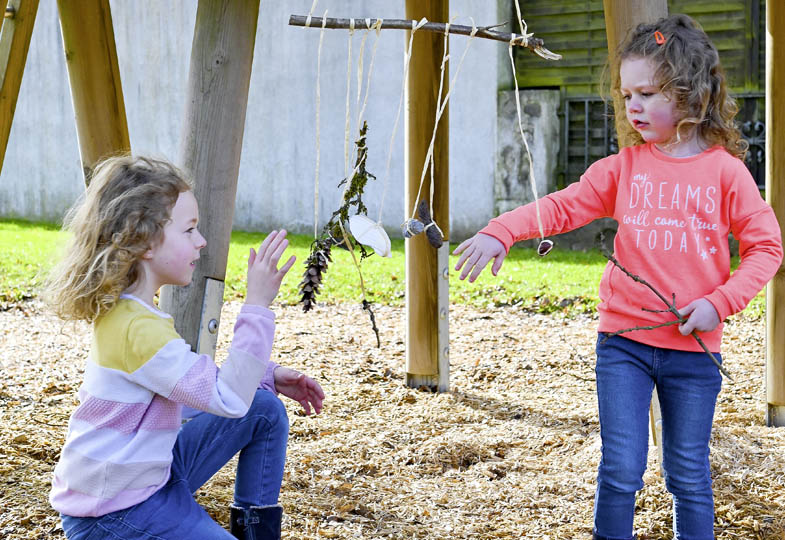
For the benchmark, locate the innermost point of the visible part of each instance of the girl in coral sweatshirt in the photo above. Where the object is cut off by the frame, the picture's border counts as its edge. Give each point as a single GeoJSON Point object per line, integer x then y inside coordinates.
{"type": "Point", "coordinates": [676, 196]}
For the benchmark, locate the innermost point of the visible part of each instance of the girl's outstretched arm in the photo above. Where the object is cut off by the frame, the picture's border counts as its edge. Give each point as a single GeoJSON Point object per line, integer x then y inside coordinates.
{"type": "Point", "coordinates": [475, 254]}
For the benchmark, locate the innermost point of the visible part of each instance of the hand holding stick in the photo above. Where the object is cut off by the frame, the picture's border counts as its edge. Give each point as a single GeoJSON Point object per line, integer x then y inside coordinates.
{"type": "Point", "coordinates": [671, 307]}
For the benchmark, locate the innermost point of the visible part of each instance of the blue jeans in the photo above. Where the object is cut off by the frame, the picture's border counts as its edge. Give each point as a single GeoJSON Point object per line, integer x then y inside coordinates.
{"type": "Point", "coordinates": [687, 387]}
{"type": "Point", "coordinates": [204, 445]}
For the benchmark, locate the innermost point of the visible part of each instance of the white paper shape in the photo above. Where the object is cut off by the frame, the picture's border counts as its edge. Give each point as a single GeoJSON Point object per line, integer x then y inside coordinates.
{"type": "Point", "coordinates": [371, 234]}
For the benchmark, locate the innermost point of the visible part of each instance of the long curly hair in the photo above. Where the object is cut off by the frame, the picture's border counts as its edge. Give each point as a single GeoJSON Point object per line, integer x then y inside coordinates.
{"type": "Point", "coordinates": [688, 70]}
{"type": "Point", "coordinates": [121, 215]}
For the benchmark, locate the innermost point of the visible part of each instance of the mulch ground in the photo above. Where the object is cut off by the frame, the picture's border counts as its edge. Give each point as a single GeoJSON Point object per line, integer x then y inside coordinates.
{"type": "Point", "coordinates": [510, 451]}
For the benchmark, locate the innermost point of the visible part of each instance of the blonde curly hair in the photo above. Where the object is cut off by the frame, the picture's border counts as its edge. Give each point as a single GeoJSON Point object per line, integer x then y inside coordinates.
{"type": "Point", "coordinates": [688, 70]}
{"type": "Point", "coordinates": [121, 215]}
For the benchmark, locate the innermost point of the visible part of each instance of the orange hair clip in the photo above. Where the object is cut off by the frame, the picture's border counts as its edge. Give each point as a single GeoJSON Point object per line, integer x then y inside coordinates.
{"type": "Point", "coordinates": [659, 38]}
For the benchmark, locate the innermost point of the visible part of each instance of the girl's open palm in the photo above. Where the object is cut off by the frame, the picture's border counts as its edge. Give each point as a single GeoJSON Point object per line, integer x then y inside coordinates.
{"type": "Point", "coordinates": [301, 388]}
{"type": "Point", "coordinates": [264, 276]}
{"type": "Point", "coordinates": [476, 252]}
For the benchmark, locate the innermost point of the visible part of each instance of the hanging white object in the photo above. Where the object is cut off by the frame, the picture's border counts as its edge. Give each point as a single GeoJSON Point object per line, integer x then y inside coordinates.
{"type": "Point", "coordinates": [370, 233]}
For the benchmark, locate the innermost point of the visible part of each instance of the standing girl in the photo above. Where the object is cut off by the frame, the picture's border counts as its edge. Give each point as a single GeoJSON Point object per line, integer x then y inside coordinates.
{"type": "Point", "coordinates": [131, 462]}
{"type": "Point", "coordinates": [676, 195]}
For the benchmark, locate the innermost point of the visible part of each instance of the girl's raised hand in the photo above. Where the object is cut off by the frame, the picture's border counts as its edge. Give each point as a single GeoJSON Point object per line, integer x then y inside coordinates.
{"type": "Point", "coordinates": [476, 252]}
{"type": "Point", "coordinates": [264, 276]}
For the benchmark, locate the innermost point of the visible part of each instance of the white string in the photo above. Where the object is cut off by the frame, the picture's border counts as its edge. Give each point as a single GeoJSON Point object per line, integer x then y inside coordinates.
{"type": "Point", "coordinates": [318, 137]}
{"type": "Point", "coordinates": [361, 110]}
{"type": "Point", "coordinates": [308, 19]}
{"type": "Point", "coordinates": [429, 158]}
{"type": "Point", "coordinates": [347, 123]}
{"type": "Point", "coordinates": [407, 56]}
{"type": "Point", "coordinates": [525, 37]}
{"type": "Point", "coordinates": [440, 108]}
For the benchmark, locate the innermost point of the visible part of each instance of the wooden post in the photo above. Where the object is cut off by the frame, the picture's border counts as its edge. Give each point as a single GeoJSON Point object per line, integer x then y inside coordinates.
{"type": "Point", "coordinates": [14, 43]}
{"type": "Point", "coordinates": [218, 82]}
{"type": "Point", "coordinates": [775, 195]}
{"type": "Point", "coordinates": [621, 16]}
{"type": "Point", "coordinates": [96, 92]}
{"type": "Point", "coordinates": [426, 345]}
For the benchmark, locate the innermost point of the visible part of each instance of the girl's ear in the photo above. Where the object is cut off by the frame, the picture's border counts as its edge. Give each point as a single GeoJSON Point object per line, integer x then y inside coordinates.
{"type": "Point", "coordinates": [147, 255]}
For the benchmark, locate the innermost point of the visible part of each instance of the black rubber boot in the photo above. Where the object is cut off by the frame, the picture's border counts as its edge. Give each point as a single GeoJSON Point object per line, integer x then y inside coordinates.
{"type": "Point", "coordinates": [237, 522]}
{"type": "Point", "coordinates": [257, 522]}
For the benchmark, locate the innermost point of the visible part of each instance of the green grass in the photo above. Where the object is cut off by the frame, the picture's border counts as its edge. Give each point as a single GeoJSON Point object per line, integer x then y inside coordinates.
{"type": "Point", "coordinates": [26, 251]}
{"type": "Point", "coordinates": [564, 281]}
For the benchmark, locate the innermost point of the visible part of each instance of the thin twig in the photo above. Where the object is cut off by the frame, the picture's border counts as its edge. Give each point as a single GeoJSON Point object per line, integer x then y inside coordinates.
{"type": "Point", "coordinates": [671, 305]}
{"type": "Point", "coordinates": [536, 45]}
{"type": "Point", "coordinates": [652, 327]}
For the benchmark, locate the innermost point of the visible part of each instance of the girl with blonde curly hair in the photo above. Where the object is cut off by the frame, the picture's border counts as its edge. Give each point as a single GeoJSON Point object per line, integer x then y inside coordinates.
{"type": "Point", "coordinates": [676, 194]}
{"type": "Point", "coordinates": [157, 420]}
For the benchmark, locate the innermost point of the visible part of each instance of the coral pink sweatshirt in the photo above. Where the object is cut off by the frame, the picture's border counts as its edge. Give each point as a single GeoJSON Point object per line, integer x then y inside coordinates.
{"type": "Point", "coordinates": [674, 216]}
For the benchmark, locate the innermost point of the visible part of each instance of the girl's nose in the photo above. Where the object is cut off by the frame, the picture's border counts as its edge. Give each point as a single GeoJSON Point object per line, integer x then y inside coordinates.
{"type": "Point", "coordinates": [633, 105]}
{"type": "Point", "coordinates": [200, 241]}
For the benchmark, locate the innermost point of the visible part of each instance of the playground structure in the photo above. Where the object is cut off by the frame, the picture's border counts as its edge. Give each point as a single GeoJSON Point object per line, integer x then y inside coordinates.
{"type": "Point", "coordinates": [222, 51]}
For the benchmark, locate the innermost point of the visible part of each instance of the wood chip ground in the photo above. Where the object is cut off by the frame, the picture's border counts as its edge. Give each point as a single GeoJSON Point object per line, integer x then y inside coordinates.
{"type": "Point", "coordinates": [510, 452]}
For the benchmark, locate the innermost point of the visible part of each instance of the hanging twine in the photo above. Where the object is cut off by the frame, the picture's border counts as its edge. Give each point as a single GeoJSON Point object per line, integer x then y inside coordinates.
{"type": "Point", "coordinates": [441, 106]}
{"type": "Point", "coordinates": [523, 39]}
{"type": "Point", "coordinates": [318, 121]}
{"type": "Point", "coordinates": [407, 56]}
{"type": "Point", "coordinates": [377, 26]}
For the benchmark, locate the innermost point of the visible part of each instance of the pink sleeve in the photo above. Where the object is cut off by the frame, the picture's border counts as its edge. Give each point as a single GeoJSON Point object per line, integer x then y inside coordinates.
{"type": "Point", "coordinates": [268, 381]}
{"type": "Point", "coordinates": [579, 203]}
{"type": "Point", "coordinates": [755, 226]}
{"type": "Point", "coordinates": [254, 331]}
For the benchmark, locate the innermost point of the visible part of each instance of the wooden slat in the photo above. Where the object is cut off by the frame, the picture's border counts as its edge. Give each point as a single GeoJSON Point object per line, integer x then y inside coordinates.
{"type": "Point", "coordinates": [94, 74]}
{"type": "Point", "coordinates": [15, 37]}
{"type": "Point", "coordinates": [576, 30]}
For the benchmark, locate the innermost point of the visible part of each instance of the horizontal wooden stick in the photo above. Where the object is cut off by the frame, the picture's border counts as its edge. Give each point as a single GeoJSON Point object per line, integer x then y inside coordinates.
{"type": "Point", "coordinates": [536, 45]}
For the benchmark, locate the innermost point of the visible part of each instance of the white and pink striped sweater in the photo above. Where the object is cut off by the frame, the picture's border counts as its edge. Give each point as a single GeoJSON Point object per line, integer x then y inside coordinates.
{"type": "Point", "coordinates": [141, 380]}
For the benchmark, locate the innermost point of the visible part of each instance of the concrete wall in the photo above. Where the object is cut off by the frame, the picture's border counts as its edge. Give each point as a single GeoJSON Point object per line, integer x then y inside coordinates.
{"type": "Point", "coordinates": [41, 176]}
{"type": "Point", "coordinates": [541, 126]}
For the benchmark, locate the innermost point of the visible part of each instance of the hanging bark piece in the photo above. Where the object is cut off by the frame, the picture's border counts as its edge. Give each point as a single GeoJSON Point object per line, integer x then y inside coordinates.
{"type": "Point", "coordinates": [432, 230]}
{"type": "Point", "coordinates": [412, 227]}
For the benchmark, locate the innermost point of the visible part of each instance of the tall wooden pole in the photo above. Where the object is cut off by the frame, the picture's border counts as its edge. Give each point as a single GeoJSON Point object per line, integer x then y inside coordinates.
{"type": "Point", "coordinates": [15, 37]}
{"type": "Point", "coordinates": [218, 82]}
{"type": "Point", "coordinates": [775, 195]}
{"type": "Point", "coordinates": [96, 92]}
{"type": "Point", "coordinates": [426, 267]}
{"type": "Point", "coordinates": [621, 16]}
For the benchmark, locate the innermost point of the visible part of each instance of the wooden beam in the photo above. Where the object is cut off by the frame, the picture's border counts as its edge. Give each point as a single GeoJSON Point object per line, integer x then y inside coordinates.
{"type": "Point", "coordinates": [621, 16]}
{"type": "Point", "coordinates": [15, 37]}
{"type": "Point", "coordinates": [775, 195]}
{"type": "Point", "coordinates": [218, 82]}
{"type": "Point", "coordinates": [94, 74]}
{"type": "Point", "coordinates": [423, 343]}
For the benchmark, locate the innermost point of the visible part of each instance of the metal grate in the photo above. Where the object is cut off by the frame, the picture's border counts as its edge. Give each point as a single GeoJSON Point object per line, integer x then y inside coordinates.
{"type": "Point", "coordinates": [588, 134]}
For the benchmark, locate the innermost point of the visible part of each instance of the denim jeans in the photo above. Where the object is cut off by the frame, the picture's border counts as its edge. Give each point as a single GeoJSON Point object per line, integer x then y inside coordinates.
{"type": "Point", "coordinates": [687, 387]}
{"type": "Point", "coordinates": [204, 445]}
